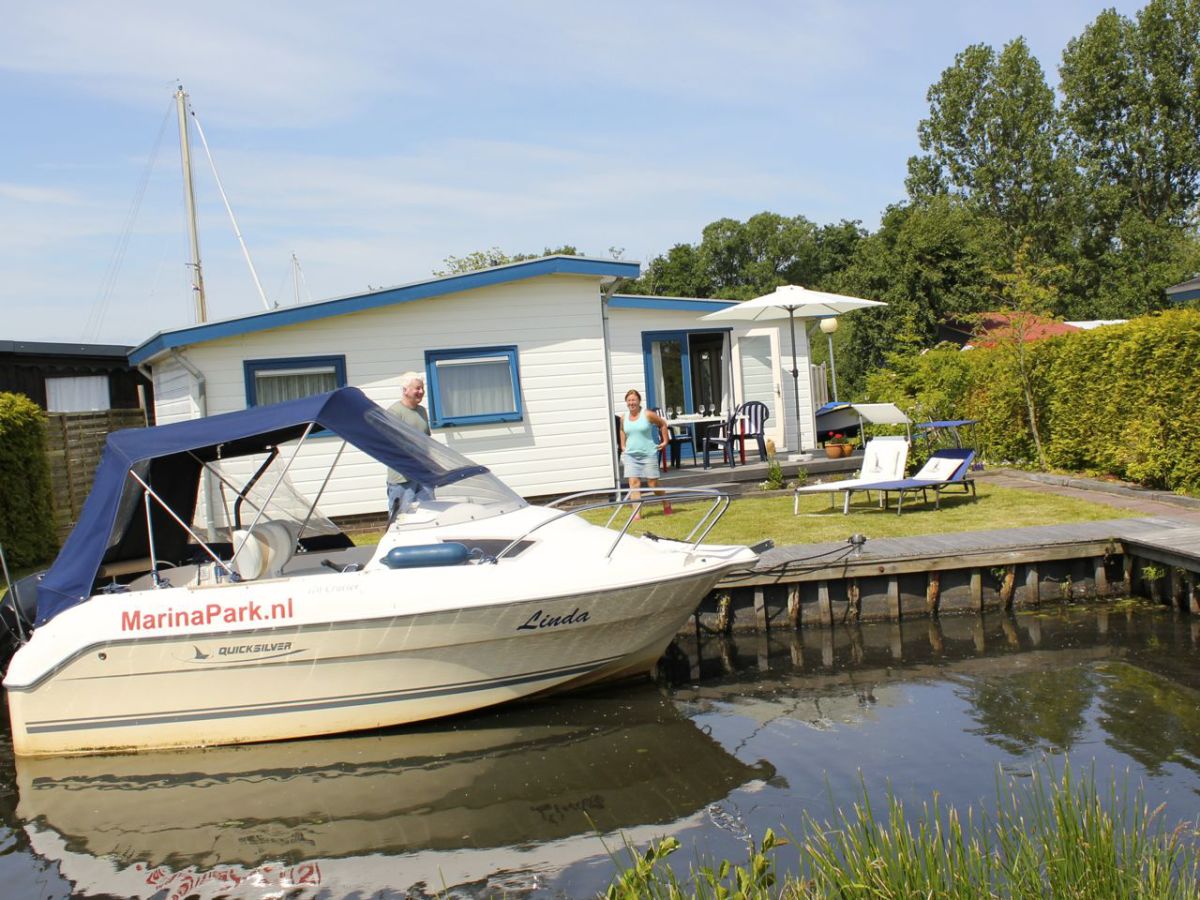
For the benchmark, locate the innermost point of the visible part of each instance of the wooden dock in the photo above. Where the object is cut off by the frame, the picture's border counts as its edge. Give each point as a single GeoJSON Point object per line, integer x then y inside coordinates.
{"type": "Point", "coordinates": [891, 579]}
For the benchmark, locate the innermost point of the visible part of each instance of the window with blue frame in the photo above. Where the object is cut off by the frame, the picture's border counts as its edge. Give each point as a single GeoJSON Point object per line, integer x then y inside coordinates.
{"type": "Point", "coordinates": [276, 380]}
{"type": "Point", "coordinates": [473, 386]}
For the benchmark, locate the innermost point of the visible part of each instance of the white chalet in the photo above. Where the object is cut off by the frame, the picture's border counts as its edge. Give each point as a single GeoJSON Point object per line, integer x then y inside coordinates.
{"type": "Point", "coordinates": [526, 367]}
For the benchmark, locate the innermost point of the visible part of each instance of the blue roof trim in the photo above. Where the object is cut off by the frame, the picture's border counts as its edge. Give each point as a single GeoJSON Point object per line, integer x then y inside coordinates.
{"type": "Point", "coordinates": [686, 304]}
{"type": "Point", "coordinates": [420, 290]}
{"type": "Point", "coordinates": [1185, 290]}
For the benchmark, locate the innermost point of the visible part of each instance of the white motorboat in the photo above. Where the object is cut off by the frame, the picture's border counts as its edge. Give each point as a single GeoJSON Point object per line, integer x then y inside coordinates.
{"type": "Point", "coordinates": [143, 634]}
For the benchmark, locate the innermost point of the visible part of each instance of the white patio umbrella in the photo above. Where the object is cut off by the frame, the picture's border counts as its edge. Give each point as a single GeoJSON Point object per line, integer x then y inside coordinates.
{"type": "Point", "coordinates": [791, 302]}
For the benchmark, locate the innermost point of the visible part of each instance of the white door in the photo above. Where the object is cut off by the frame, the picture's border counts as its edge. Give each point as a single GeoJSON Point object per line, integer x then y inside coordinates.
{"type": "Point", "coordinates": [755, 356]}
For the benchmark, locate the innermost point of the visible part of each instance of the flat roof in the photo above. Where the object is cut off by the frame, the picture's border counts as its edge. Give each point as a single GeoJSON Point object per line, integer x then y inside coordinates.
{"type": "Point", "coordinates": [1186, 290]}
{"type": "Point", "coordinates": [52, 348]}
{"type": "Point", "coordinates": [417, 290]}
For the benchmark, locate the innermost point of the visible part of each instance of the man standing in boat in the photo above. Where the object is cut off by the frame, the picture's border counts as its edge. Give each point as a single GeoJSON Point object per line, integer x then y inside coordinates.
{"type": "Point", "coordinates": [408, 409]}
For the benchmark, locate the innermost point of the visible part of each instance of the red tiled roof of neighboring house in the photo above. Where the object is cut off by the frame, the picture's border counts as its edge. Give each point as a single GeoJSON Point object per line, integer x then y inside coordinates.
{"type": "Point", "coordinates": [990, 328]}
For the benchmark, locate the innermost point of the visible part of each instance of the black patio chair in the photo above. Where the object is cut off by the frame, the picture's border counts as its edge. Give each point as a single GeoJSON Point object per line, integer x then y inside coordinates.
{"type": "Point", "coordinates": [721, 435]}
{"type": "Point", "coordinates": [677, 437]}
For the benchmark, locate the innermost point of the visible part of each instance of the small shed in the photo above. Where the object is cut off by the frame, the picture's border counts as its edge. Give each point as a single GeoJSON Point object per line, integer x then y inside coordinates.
{"type": "Point", "coordinates": [72, 378]}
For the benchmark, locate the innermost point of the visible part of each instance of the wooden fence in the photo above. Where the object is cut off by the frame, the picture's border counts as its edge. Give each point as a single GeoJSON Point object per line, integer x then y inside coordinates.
{"type": "Point", "coordinates": [74, 442]}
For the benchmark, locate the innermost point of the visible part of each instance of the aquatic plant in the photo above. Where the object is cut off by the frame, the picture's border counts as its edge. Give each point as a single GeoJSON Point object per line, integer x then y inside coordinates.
{"type": "Point", "coordinates": [1049, 835]}
{"type": "Point", "coordinates": [644, 879]}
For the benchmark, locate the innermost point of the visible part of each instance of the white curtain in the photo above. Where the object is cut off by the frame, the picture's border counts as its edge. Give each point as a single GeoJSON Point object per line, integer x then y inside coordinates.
{"type": "Point", "coordinates": [475, 387]}
{"type": "Point", "coordinates": [86, 393]}
{"type": "Point", "coordinates": [281, 384]}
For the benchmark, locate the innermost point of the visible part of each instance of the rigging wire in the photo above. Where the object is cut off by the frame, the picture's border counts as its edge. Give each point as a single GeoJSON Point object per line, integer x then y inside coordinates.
{"type": "Point", "coordinates": [295, 274]}
{"type": "Point", "coordinates": [229, 209]}
{"type": "Point", "coordinates": [299, 280]}
{"type": "Point", "coordinates": [108, 281]}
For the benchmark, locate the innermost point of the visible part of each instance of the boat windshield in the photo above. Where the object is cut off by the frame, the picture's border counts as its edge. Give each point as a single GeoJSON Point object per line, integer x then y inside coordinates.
{"type": "Point", "coordinates": [461, 479]}
{"type": "Point", "coordinates": [270, 495]}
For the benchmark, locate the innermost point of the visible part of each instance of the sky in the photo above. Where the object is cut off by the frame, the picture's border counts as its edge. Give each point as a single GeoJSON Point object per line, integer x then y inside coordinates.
{"type": "Point", "coordinates": [373, 140]}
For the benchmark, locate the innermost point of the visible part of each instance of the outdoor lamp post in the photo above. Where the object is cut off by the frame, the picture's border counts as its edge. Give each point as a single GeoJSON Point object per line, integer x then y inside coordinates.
{"type": "Point", "coordinates": [829, 326]}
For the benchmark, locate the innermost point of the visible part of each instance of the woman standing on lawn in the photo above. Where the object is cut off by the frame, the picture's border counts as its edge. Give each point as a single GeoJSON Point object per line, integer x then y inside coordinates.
{"type": "Point", "coordinates": [641, 446]}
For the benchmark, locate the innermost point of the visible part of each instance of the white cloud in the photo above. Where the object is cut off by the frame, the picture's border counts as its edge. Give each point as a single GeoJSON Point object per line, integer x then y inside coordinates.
{"type": "Point", "coordinates": [24, 193]}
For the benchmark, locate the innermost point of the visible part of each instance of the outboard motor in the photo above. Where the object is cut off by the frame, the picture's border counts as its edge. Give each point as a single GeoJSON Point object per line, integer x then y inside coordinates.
{"type": "Point", "coordinates": [18, 612]}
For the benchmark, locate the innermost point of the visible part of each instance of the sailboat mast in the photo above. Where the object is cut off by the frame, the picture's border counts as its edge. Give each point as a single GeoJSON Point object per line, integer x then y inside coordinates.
{"type": "Point", "coordinates": [296, 276]}
{"type": "Point", "coordinates": [189, 198]}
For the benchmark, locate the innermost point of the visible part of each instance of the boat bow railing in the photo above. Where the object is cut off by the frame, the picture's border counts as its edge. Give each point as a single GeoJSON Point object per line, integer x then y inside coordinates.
{"type": "Point", "coordinates": [619, 499]}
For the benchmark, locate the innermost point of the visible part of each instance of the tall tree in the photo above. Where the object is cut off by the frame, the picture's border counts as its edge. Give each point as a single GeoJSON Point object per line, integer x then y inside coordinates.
{"type": "Point", "coordinates": [929, 262]}
{"type": "Point", "coordinates": [992, 138]}
{"type": "Point", "coordinates": [1131, 102]}
{"type": "Point", "coordinates": [738, 260]}
{"type": "Point", "coordinates": [679, 273]}
{"type": "Point", "coordinates": [1131, 105]}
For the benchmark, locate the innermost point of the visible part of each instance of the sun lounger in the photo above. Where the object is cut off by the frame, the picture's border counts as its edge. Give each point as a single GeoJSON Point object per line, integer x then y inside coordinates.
{"type": "Point", "coordinates": [884, 459]}
{"type": "Point", "coordinates": [946, 470]}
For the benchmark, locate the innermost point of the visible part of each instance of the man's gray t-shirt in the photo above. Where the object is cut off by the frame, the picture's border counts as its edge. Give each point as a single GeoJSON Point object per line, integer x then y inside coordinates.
{"type": "Point", "coordinates": [413, 418]}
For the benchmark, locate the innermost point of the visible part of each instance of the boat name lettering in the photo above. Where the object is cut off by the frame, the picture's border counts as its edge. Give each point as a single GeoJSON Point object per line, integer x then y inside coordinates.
{"type": "Point", "coordinates": [542, 620]}
{"type": "Point", "coordinates": [209, 614]}
{"type": "Point", "coordinates": [184, 883]}
{"type": "Point", "coordinates": [235, 649]}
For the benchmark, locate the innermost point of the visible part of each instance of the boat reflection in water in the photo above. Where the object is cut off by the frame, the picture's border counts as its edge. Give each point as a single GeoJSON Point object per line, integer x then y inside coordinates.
{"type": "Point", "coordinates": [524, 790]}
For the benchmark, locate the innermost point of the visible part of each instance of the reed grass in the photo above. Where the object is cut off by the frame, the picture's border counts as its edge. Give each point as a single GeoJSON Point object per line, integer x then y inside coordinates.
{"type": "Point", "coordinates": [1048, 835]}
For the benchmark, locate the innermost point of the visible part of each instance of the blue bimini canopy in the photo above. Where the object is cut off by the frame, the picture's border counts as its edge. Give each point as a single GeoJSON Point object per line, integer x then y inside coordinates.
{"type": "Point", "coordinates": [170, 458]}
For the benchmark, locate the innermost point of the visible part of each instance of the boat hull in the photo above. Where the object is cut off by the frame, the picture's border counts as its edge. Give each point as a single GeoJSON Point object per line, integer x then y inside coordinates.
{"type": "Point", "coordinates": [292, 678]}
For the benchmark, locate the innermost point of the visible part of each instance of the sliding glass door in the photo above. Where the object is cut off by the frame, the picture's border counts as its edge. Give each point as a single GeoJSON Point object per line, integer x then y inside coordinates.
{"type": "Point", "coordinates": [666, 374]}
{"type": "Point", "coordinates": [687, 371]}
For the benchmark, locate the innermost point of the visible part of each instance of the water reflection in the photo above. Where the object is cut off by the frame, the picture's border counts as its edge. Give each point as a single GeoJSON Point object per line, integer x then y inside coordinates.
{"type": "Point", "coordinates": [1033, 711]}
{"type": "Point", "coordinates": [291, 814]}
{"type": "Point", "coordinates": [1057, 681]}
{"type": "Point", "coordinates": [511, 803]}
{"type": "Point", "coordinates": [1149, 719]}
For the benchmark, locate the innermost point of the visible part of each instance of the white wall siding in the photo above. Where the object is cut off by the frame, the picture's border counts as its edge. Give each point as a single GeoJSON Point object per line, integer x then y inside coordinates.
{"type": "Point", "coordinates": [563, 442]}
{"type": "Point", "coordinates": [174, 393]}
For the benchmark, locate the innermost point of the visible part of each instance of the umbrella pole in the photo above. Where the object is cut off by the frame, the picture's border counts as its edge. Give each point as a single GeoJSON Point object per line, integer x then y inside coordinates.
{"type": "Point", "coordinates": [795, 375]}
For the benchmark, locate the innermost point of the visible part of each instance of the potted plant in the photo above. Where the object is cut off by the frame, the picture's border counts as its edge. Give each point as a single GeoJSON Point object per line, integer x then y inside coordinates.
{"type": "Point", "coordinates": [836, 446]}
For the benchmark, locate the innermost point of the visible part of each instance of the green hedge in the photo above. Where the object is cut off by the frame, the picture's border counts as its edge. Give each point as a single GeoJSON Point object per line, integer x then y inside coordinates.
{"type": "Point", "coordinates": [1127, 401]}
{"type": "Point", "coordinates": [26, 511]}
{"type": "Point", "coordinates": [1122, 400]}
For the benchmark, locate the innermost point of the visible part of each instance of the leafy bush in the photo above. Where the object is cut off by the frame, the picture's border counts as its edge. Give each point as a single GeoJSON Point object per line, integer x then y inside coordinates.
{"type": "Point", "coordinates": [774, 477]}
{"type": "Point", "coordinates": [1122, 400]}
{"type": "Point", "coordinates": [26, 517]}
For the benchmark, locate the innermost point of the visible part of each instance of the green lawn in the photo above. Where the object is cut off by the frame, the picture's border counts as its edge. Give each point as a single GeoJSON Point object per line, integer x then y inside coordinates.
{"type": "Point", "coordinates": [769, 515]}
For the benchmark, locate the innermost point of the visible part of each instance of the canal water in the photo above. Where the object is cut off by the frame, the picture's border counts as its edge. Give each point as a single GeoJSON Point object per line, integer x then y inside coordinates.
{"type": "Point", "coordinates": [735, 737]}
